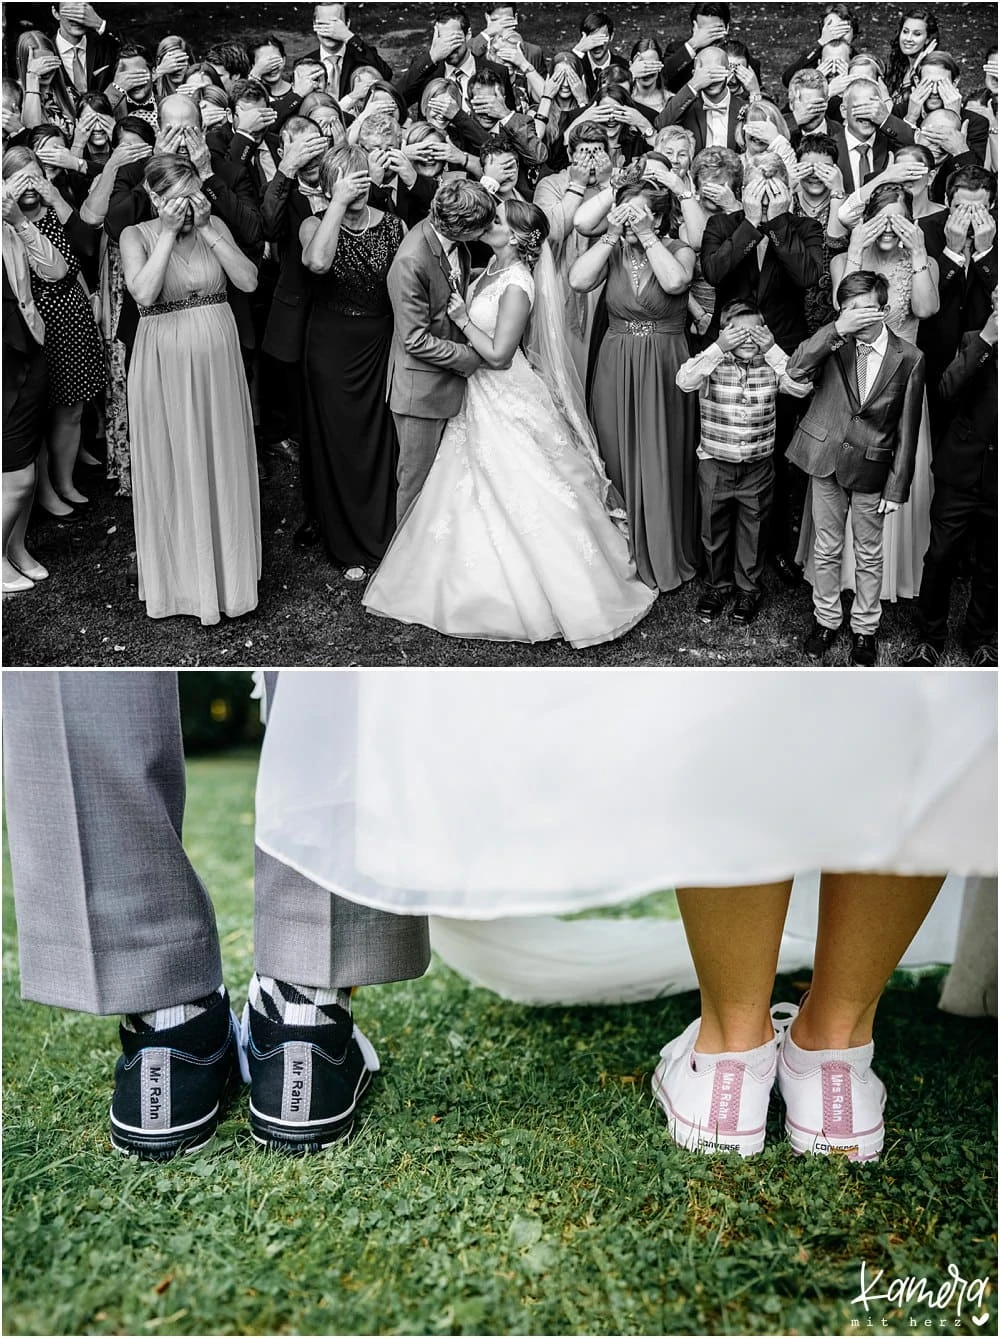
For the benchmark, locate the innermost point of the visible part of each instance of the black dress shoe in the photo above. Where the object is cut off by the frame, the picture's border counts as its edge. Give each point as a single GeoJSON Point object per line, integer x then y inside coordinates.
{"type": "Point", "coordinates": [711, 604]}
{"type": "Point", "coordinates": [747, 607]}
{"type": "Point", "coordinates": [922, 656]}
{"type": "Point", "coordinates": [864, 650]}
{"type": "Point", "coordinates": [790, 574]}
{"type": "Point", "coordinates": [819, 641]}
{"type": "Point", "coordinates": [307, 535]}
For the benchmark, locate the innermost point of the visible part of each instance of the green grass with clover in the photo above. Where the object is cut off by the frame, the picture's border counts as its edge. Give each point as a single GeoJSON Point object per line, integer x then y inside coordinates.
{"type": "Point", "coordinates": [509, 1175]}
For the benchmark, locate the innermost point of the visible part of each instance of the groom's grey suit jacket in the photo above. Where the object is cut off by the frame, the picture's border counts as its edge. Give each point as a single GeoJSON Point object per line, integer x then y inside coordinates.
{"type": "Point", "coordinates": [429, 359]}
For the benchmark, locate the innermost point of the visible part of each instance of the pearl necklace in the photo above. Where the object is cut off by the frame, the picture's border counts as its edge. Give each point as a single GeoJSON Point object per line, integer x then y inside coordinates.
{"type": "Point", "coordinates": [356, 232]}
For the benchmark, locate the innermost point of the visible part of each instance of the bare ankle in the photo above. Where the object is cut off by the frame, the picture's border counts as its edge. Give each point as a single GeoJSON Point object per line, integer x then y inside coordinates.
{"type": "Point", "coordinates": [715, 1039]}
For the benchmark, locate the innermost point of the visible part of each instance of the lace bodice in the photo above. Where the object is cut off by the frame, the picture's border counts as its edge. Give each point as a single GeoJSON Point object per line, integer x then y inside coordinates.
{"type": "Point", "coordinates": [484, 300]}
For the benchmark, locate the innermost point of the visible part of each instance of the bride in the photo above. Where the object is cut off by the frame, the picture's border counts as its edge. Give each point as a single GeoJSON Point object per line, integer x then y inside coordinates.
{"type": "Point", "coordinates": [512, 537]}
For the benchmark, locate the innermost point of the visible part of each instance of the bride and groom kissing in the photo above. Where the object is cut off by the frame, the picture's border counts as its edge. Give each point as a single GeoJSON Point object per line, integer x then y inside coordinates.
{"type": "Point", "coordinates": [507, 523]}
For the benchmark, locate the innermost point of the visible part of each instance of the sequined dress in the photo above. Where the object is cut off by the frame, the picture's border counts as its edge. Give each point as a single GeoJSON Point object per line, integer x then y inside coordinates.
{"type": "Point", "coordinates": [348, 434]}
{"type": "Point", "coordinates": [509, 539]}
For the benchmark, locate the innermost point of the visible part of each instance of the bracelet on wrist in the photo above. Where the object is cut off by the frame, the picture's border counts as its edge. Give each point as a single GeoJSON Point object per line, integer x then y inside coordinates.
{"type": "Point", "coordinates": [608, 239]}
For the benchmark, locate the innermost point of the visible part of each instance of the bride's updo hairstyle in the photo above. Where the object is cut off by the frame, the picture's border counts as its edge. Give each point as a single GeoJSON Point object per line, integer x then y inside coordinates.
{"type": "Point", "coordinates": [164, 171]}
{"type": "Point", "coordinates": [339, 162]}
{"type": "Point", "coordinates": [529, 229]}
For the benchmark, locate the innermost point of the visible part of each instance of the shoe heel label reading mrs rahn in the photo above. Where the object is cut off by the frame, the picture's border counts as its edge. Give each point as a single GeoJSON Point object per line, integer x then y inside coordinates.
{"type": "Point", "coordinates": [155, 1089]}
{"type": "Point", "coordinates": [298, 1081]}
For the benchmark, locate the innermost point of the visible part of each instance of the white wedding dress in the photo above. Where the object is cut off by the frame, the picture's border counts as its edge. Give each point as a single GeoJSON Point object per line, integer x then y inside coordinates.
{"type": "Point", "coordinates": [510, 538]}
{"type": "Point", "coordinates": [491, 796]}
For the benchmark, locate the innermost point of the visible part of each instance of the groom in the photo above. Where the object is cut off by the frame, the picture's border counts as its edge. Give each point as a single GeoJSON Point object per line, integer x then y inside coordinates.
{"type": "Point", "coordinates": [112, 918]}
{"type": "Point", "coordinates": [429, 359]}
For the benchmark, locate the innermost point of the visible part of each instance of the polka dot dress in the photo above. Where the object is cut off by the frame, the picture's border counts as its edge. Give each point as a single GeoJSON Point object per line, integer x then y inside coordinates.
{"type": "Point", "coordinates": [74, 349]}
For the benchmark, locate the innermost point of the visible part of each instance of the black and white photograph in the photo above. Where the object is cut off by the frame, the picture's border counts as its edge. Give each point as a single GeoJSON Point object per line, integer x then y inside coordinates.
{"type": "Point", "coordinates": [515, 336]}
{"type": "Point", "coordinates": [453, 458]}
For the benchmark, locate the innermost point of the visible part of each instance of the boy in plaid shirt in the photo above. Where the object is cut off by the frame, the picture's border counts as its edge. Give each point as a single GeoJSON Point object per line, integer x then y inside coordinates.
{"type": "Point", "coordinates": [738, 378]}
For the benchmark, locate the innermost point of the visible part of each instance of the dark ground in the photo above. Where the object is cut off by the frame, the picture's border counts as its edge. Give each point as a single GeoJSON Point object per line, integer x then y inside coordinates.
{"type": "Point", "coordinates": [87, 614]}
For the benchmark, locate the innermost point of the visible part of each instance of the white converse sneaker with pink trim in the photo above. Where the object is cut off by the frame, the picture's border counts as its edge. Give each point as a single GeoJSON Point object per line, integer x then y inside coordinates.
{"type": "Point", "coordinates": [715, 1103]}
{"type": "Point", "coordinates": [833, 1101]}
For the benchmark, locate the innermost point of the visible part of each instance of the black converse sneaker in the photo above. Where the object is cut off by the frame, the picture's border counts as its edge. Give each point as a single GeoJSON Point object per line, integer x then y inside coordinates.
{"type": "Point", "coordinates": [305, 1082]}
{"type": "Point", "coordinates": [171, 1085]}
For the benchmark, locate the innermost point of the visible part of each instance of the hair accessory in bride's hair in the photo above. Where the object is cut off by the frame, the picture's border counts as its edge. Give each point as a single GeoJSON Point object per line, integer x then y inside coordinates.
{"type": "Point", "coordinates": [535, 238]}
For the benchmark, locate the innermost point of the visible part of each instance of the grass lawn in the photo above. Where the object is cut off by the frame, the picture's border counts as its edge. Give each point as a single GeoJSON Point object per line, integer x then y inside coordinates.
{"type": "Point", "coordinates": [88, 614]}
{"type": "Point", "coordinates": [509, 1174]}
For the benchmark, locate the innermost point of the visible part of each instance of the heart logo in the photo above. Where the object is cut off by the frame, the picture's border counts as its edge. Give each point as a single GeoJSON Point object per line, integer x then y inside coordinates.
{"type": "Point", "coordinates": [980, 1320]}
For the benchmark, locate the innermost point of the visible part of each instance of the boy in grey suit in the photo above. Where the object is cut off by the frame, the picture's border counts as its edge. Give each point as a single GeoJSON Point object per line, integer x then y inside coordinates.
{"type": "Point", "coordinates": [112, 918]}
{"type": "Point", "coordinates": [858, 441]}
{"type": "Point", "coordinates": [429, 358]}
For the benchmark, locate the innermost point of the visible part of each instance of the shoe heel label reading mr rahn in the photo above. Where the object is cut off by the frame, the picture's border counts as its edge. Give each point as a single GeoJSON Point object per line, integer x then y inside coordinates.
{"type": "Point", "coordinates": [298, 1081]}
{"type": "Point", "coordinates": [155, 1089]}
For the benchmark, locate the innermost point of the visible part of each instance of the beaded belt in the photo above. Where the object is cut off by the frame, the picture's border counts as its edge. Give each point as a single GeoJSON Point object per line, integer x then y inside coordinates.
{"type": "Point", "coordinates": [164, 308]}
{"type": "Point", "coordinates": [643, 329]}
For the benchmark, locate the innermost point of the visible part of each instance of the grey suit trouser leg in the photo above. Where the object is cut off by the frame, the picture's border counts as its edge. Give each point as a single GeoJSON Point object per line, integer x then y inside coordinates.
{"type": "Point", "coordinates": [112, 918]}
{"type": "Point", "coordinates": [419, 439]}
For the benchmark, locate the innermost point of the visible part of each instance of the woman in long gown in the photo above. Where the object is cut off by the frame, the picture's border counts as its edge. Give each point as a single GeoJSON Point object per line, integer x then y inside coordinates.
{"type": "Point", "coordinates": [645, 426]}
{"type": "Point", "coordinates": [349, 432]}
{"type": "Point", "coordinates": [195, 495]}
{"type": "Point", "coordinates": [912, 277]}
{"type": "Point", "coordinates": [510, 538]}
{"type": "Point", "coordinates": [481, 799]}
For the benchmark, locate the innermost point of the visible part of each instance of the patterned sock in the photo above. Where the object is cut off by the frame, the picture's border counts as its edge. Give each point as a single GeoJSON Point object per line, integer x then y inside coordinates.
{"type": "Point", "coordinates": [807, 1061]}
{"type": "Point", "coordinates": [758, 1061]}
{"type": "Point", "coordinates": [161, 1019]}
{"type": "Point", "coordinates": [296, 1005]}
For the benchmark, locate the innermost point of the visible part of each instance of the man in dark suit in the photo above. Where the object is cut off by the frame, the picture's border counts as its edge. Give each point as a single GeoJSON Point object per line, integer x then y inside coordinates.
{"type": "Point", "coordinates": [594, 50]}
{"type": "Point", "coordinates": [705, 105]}
{"type": "Point", "coordinates": [225, 184]}
{"type": "Point", "coordinates": [757, 250]}
{"type": "Point", "coordinates": [86, 46]}
{"type": "Point", "coordinates": [965, 502]}
{"type": "Point", "coordinates": [858, 443]}
{"type": "Point", "coordinates": [340, 49]}
{"type": "Point", "coordinates": [450, 56]}
{"type": "Point", "coordinates": [963, 241]}
{"type": "Point", "coordinates": [709, 27]}
{"type": "Point", "coordinates": [937, 90]}
{"type": "Point", "coordinates": [285, 207]}
{"type": "Point", "coordinates": [863, 146]}
{"type": "Point", "coordinates": [397, 187]}
{"type": "Point", "coordinates": [492, 119]}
